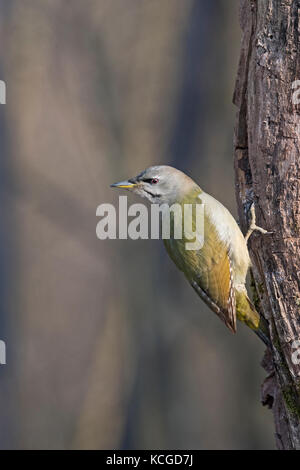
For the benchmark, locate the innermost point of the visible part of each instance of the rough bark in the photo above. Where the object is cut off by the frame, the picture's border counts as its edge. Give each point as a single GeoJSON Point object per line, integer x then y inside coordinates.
{"type": "Point", "coordinates": [267, 170]}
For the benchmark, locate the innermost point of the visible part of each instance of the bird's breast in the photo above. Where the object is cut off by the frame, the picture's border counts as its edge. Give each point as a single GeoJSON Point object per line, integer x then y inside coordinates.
{"type": "Point", "coordinates": [221, 235]}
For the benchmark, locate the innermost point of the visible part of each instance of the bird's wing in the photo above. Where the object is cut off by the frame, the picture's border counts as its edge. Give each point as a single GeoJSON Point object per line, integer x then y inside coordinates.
{"type": "Point", "coordinates": [214, 285]}
{"type": "Point", "coordinates": [209, 272]}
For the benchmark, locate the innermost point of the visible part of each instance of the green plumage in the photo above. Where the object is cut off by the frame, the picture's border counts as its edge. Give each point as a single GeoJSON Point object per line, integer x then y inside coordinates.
{"type": "Point", "coordinates": [209, 271]}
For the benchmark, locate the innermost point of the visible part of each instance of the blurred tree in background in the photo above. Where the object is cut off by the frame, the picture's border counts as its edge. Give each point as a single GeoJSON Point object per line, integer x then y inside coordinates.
{"type": "Point", "coordinates": [107, 345]}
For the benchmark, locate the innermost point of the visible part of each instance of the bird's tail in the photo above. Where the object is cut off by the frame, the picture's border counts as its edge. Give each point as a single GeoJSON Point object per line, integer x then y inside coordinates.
{"type": "Point", "coordinates": [247, 314]}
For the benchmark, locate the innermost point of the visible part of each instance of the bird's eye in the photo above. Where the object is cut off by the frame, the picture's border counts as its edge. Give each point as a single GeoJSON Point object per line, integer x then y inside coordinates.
{"type": "Point", "coordinates": [151, 180]}
{"type": "Point", "coordinates": [154, 181]}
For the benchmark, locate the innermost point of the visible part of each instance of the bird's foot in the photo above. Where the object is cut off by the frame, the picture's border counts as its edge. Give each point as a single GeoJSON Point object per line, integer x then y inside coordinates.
{"type": "Point", "coordinates": [253, 227]}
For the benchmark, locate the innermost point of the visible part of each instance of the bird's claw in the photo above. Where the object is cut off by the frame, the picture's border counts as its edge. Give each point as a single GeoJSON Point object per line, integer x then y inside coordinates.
{"type": "Point", "coordinates": [253, 227]}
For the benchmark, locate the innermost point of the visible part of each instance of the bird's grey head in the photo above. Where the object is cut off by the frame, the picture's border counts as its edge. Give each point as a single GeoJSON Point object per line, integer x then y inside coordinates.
{"type": "Point", "coordinates": [160, 184]}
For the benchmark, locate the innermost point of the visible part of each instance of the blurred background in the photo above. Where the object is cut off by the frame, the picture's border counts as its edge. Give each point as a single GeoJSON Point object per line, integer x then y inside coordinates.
{"type": "Point", "coordinates": [107, 344]}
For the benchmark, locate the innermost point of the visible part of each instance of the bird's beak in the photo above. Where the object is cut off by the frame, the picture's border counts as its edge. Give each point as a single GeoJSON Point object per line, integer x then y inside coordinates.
{"type": "Point", "coordinates": [123, 184]}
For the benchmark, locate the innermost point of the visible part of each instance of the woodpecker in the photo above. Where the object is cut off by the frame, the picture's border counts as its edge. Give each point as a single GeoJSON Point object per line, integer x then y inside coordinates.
{"type": "Point", "coordinates": [217, 271]}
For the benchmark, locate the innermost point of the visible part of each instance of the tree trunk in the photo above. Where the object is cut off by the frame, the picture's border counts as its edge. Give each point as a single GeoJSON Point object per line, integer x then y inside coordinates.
{"type": "Point", "coordinates": [267, 171]}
